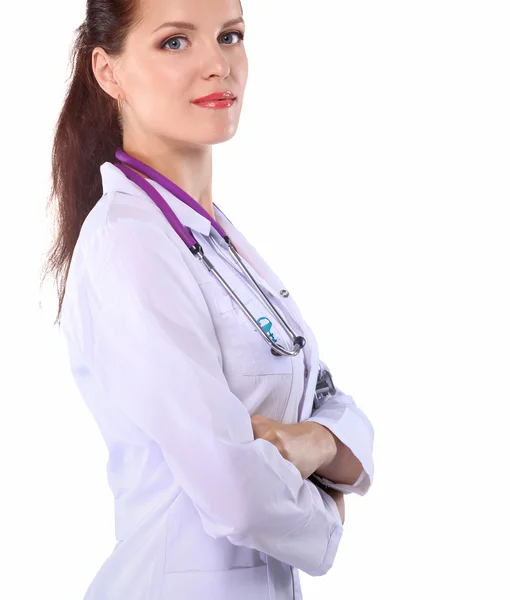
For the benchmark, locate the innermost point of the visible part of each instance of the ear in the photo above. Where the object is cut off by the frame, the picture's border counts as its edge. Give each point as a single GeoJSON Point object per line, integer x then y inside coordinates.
{"type": "Point", "coordinates": [103, 68]}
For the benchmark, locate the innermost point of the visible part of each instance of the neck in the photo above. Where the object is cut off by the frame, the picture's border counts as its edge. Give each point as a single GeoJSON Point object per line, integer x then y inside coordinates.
{"type": "Point", "coordinates": [188, 167]}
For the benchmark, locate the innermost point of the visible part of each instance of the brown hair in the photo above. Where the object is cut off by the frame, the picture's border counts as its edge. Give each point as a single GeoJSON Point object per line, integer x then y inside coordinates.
{"type": "Point", "coordinates": [87, 133]}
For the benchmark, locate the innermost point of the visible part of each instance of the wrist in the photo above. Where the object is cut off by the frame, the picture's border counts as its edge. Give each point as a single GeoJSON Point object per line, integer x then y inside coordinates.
{"type": "Point", "coordinates": [326, 442]}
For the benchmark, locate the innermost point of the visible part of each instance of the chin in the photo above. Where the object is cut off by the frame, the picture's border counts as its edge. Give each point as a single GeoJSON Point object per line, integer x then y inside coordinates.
{"type": "Point", "coordinates": [217, 137]}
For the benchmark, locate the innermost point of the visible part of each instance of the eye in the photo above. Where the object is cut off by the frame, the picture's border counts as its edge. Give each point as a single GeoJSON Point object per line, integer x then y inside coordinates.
{"type": "Point", "coordinates": [232, 33]}
{"type": "Point", "coordinates": [172, 41]}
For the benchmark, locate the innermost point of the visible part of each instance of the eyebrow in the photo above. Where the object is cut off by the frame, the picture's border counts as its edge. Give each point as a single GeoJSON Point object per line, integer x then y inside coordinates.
{"type": "Point", "coordinates": [186, 25]}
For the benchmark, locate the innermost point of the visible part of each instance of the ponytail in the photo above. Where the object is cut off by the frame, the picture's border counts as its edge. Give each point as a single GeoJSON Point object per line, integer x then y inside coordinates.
{"type": "Point", "coordinates": [87, 133]}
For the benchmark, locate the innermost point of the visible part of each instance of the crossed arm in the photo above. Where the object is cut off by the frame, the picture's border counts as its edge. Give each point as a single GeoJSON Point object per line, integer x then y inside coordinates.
{"type": "Point", "coordinates": [312, 448]}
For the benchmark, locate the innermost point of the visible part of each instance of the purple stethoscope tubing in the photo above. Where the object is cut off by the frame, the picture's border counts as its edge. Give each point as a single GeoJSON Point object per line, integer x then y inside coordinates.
{"type": "Point", "coordinates": [169, 185]}
{"type": "Point", "coordinates": [195, 248]}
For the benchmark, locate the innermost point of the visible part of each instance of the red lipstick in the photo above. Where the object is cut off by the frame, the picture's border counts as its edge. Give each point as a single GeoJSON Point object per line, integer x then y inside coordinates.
{"type": "Point", "coordinates": [216, 100]}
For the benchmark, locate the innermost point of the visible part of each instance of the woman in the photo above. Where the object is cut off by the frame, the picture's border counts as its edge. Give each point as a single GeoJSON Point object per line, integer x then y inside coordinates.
{"type": "Point", "coordinates": [227, 476]}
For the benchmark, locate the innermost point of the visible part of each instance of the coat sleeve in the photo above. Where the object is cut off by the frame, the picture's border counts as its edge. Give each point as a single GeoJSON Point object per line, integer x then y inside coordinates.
{"type": "Point", "coordinates": [340, 414]}
{"type": "Point", "coordinates": [156, 354]}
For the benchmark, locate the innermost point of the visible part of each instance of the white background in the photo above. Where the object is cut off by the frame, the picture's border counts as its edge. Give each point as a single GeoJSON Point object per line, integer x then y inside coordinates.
{"type": "Point", "coordinates": [371, 169]}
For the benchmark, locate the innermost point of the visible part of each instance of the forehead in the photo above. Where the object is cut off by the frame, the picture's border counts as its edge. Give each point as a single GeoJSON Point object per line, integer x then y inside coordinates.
{"type": "Point", "coordinates": [202, 13]}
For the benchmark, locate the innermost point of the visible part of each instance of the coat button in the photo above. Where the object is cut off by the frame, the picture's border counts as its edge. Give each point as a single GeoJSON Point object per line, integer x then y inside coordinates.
{"type": "Point", "coordinates": [284, 293]}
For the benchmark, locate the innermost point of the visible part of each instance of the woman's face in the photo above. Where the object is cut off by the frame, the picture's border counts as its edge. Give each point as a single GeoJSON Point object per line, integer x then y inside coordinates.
{"type": "Point", "coordinates": [165, 67]}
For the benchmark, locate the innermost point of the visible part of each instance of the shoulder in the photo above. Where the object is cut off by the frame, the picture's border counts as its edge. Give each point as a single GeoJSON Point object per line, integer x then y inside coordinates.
{"type": "Point", "coordinates": [126, 243]}
{"type": "Point", "coordinates": [124, 220]}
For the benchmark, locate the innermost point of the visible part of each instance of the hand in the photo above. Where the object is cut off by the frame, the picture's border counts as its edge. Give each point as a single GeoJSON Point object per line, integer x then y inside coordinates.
{"type": "Point", "coordinates": [306, 445]}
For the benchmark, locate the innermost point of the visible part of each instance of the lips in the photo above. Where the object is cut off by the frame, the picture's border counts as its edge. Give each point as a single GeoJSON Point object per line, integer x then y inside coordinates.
{"type": "Point", "coordinates": [215, 97]}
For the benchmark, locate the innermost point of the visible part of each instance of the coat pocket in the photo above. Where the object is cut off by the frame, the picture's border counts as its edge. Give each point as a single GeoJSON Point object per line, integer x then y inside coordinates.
{"type": "Point", "coordinates": [188, 547]}
{"type": "Point", "coordinates": [252, 353]}
{"type": "Point", "coordinates": [243, 348]}
{"type": "Point", "coordinates": [240, 337]}
{"type": "Point", "coordinates": [250, 583]}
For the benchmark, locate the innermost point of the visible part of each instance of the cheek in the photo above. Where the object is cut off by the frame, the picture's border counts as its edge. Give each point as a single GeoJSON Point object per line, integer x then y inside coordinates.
{"type": "Point", "coordinates": [241, 70]}
{"type": "Point", "coordinates": [161, 81]}
{"type": "Point", "coordinates": [156, 81]}
{"type": "Point", "coordinates": [159, 94]}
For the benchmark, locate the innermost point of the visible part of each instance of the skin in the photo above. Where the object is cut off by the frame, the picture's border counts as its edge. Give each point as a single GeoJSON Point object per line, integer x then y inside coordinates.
{"type": "Point", "coordinates": [312, 448]}
{"type": "Point", "coordinates": [156, 78]}
{"type": "Point", "coordinates": [307, 445]}
{"type": "Point", "coordinates": [157, 83]}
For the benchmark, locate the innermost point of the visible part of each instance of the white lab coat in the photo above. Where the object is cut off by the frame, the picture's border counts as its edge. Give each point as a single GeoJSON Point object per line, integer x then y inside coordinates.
{"type": "Point", "coordinates": [171, 370]}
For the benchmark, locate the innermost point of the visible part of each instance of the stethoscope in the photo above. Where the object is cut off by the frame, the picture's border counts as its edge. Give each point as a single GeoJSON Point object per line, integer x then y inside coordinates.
{"type": "Point", "coordinates": [298, 341]}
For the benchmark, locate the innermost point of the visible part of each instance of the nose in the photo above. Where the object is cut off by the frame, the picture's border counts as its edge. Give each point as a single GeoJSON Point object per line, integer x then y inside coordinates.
{"type": "Point", "coordinates": [214, 62]}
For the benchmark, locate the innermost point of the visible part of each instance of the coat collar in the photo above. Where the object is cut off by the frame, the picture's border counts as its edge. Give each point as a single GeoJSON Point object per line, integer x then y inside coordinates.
{"type": "Point", "coordinates": [114, 180]}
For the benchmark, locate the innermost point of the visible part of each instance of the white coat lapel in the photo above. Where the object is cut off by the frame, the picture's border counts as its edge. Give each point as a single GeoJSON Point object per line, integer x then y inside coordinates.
{"type": "Point", "coordinates": [261, 271]}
